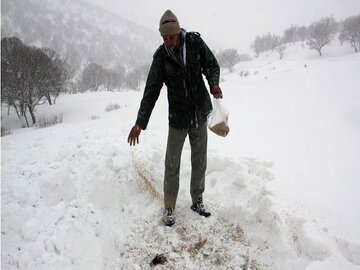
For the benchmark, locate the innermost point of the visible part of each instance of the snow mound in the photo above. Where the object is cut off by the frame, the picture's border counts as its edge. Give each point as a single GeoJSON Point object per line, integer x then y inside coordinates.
{"type": "Point", "coordinates": [247, 229]}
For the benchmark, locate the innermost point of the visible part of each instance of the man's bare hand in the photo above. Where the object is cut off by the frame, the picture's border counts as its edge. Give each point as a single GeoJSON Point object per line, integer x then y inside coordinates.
{"type": "Point", "coordinates": [134, 134]}
{"type": "Point", "coordinates": [216, 91]}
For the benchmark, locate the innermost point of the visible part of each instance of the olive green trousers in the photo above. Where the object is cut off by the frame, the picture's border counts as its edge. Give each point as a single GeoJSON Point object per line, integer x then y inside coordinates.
{"type": "Point", "coordinates": [175, 143]}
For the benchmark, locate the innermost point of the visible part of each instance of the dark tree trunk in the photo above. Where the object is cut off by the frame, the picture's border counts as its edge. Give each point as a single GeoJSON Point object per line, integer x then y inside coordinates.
{"type": "Point", "coordinates": [17, 111]}
{"type": "Point", "coordinates": [27, 122]}
{"type": "Point", "coordinates": [31, 111]}
{"type": "Point", "coordinates": [48, 97]}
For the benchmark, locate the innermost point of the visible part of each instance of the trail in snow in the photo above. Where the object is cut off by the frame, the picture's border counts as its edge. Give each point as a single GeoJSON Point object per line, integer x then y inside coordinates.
{"type": "Point", "coordinates": [246, 231]}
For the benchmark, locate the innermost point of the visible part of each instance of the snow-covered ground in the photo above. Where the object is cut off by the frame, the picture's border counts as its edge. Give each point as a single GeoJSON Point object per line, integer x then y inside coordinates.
{"type": "Point", "coordinates": [283, 187]}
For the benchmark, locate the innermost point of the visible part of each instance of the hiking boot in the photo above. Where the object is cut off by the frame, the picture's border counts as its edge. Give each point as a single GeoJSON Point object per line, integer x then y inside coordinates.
{"type": "Point", "coordinates": [169, 217]}
{"type": "Point", "coordinates": [200, 209]}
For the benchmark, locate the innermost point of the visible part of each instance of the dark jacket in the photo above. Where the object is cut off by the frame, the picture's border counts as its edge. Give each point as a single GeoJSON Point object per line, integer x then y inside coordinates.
{"type": "Point", "coordinates": [189, 100]}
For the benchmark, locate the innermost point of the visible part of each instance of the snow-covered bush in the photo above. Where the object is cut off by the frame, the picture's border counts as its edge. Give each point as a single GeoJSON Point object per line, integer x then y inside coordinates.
{"type": "Point", "coordinates": [244, 73]}
{"type": "Point", "coordinates": [94, 117]}
{"type": "Point", "coordinates": [45, 121]}
{"type": "Point", "coordinates": [112, 106]}
{"type": "Point", "coordinates": [5, 131]}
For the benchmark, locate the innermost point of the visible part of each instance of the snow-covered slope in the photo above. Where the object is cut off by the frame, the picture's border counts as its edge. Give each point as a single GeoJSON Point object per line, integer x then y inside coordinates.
{"type": "Point", "coordinates": [282, 187]}
{"type": "Point", "coordinates": [303, 112]}
{"type": "Point", "coordinates": [80, 32]}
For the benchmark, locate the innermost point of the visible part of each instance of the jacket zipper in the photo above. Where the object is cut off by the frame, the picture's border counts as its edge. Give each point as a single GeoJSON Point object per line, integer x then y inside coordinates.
{"type": "Point", "coordinates": [186, 90]}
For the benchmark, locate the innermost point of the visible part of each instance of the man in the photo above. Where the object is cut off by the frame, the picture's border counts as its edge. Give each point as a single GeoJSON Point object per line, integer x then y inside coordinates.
{"type": "Point", "coordinates": [179, 63]}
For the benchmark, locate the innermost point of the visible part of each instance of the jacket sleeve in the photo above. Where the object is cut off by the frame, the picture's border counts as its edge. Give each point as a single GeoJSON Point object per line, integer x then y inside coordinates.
{"type": "Point", "coordinates": [153, 86]}
{"type": "Point", "coordinates": [209, 64]}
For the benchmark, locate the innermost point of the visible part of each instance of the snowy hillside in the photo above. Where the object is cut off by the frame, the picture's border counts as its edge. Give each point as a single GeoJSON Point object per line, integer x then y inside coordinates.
{"type": "Point", "coordinates": [282, 187]}
{"type": "Point", "coordinates": [80, 32]}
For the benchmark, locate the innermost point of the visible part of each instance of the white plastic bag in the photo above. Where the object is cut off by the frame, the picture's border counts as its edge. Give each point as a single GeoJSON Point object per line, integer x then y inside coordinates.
{"type": "Point", "coordinates": [218, 119]}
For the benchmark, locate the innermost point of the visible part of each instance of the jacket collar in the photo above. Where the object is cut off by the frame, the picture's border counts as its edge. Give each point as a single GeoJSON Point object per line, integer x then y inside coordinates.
{"type": "Point", "coordinates": [181, 56]}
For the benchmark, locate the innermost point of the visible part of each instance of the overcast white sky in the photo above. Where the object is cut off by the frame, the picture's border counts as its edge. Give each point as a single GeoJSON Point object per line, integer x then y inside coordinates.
{"type": "Point", "coordinates": [232, 23]}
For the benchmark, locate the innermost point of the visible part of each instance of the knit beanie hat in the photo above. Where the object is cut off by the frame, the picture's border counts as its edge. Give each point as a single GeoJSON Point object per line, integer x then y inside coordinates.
{"type": "Point", "coordinates": [169, 24]}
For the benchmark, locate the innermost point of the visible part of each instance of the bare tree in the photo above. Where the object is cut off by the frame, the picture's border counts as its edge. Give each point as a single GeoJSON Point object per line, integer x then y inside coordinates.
{"type": "Point", "coordinates": [279, 46]}
{"type": "Point", "coordinates": [62, 71]}
{"type": "Point", "coordinates": [302, 33]}
{"type": "Point", "coordinates": [135, 77]}
{"type": "Point", "coordinates": [264, 43]}
{"type": "Point", "coordinates": [133, 80]}
{"type": "Point", "coordinates": [228, 58]}
{"type": "Point", "coordinates": [92, 77]}
{"type": "Point", "coordinates": [113, 78]}
{"type": "Point", "coordinates": [8, 66]}
{"type": "Point", "coordinates": [256, 45]}
{"type": "Point", "coordinates": [28, 75]}
{"type": "Point", "coordinates": [120, 72]}
{"type": "Point", "coordinates": [350, 32]}
{"type": "Point", "coordinates": [321, 33]}
{"type": "Point", "coordinates": [291, 34]}
{"type": "Point", "coordinates": [95, 75]}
